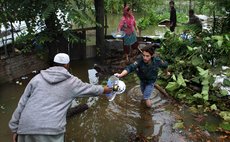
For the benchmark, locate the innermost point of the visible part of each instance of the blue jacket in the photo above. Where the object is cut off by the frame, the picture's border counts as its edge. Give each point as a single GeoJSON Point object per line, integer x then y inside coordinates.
{"type": "Point", "coordinates": [147, 73]}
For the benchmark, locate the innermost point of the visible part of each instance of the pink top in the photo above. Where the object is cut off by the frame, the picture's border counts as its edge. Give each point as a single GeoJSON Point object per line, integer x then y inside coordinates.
{"type": "Point", "coordinates": [127, 24]}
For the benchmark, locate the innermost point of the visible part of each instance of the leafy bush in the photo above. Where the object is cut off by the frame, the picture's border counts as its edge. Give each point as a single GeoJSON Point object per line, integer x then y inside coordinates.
{"type": "Point", "coordinates": [192, 62]}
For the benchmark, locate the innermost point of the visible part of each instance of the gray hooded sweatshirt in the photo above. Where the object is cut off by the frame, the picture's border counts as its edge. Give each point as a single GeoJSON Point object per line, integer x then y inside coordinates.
{"type": "Point", "coordinates": [43, 106]}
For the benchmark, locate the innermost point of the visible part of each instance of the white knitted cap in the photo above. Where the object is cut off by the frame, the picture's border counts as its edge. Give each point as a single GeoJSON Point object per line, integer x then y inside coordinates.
{"type": "Point", "coordinates": [61, 58]}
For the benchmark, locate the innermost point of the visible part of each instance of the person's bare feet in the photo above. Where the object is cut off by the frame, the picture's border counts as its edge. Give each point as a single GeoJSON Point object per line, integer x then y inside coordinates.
{"type": "Point", "coordinates": [148, 103]}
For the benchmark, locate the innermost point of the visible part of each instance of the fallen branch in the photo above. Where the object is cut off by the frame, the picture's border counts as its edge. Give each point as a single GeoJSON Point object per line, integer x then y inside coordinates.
{"type": "Point", "coordinates": [76, 110]}
{"type": "Point", "coordinates": [158, 87]}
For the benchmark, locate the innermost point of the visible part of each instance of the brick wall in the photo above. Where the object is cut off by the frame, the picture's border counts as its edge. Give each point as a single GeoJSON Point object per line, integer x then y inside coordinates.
{"type": "Point", "coordinates": [19, 65]}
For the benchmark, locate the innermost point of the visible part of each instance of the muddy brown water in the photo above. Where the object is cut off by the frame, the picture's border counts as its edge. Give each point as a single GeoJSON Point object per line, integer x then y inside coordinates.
{"type": "Point", "coordinates": [124, 119]}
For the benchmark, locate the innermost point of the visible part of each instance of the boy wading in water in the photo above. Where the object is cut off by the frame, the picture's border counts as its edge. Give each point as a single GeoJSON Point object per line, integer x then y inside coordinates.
{"type": "Point", "coordinates": [147, 70]}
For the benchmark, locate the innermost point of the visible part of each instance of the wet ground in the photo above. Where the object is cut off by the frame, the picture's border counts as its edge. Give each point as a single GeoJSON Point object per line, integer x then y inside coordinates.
{"type": "Point", "coordinates": [124, 119]}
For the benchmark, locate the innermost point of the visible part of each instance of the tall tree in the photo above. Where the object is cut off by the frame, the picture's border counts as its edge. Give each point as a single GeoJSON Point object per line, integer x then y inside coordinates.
{"type": "Point", "coordinates": [190, 4]}
{"type": "Point", "coordinates": [100, 37]}
{"type": "Point", "coordinates": [50, 16]}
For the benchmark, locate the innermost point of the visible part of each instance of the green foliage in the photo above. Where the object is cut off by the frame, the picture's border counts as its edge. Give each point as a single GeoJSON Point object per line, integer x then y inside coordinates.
{"type": "Point", "coordinates": [205, 77]}
{"type": "Point", "coordinates": [191, 62]}
{"type": "Point", "coordinates": [24, 41]}
{"type": "Point", "coordinates": [225, 115]}
{"type": "Point", "coordinates": [177, 83]}
{"type": "Point", "coordinates": [81, 13]}
{"type": "Point", "coordinates": [143, 23]}
{"type": "Point", "coordinates": [182, 18]}
{"type": "Point", "coordinates": [211, 127]}
{"type": "Point", "coordinates": [114, 6]}
{"type": "Point", "coordinates": [225, 125]}
{"type": "Point", "coordinates": [226, 82]}
{"type": "Point", "coordinates": [213, 107]}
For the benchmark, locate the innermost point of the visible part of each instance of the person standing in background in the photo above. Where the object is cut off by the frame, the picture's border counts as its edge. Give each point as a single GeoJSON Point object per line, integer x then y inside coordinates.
{"type": "Point", "coordinates": [173, 19]}
{"type": "Point", "coordinates": [195, 22]}
{"type": "Point", "coordinates": [128, 25]}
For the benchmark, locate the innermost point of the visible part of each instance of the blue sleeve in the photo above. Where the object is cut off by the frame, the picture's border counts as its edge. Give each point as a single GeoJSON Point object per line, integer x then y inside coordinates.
{"type": "Point", "coordinates": [162, 64]}
{"type": "Point", "coordinates": [133, 66]}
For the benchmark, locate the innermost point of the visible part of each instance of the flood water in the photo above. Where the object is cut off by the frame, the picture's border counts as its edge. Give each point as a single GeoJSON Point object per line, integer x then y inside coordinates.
{"type": "Point", "coordinates": [123, 119]}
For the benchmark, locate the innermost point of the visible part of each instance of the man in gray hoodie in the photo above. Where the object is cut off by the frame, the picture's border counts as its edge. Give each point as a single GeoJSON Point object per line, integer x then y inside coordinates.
{"type": "Point", "coordinates": [41, 112]}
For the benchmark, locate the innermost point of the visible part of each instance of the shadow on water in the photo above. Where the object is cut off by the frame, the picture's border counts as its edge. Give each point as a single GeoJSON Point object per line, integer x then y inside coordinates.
{"type": "Point", "coordinates": [124, 119]}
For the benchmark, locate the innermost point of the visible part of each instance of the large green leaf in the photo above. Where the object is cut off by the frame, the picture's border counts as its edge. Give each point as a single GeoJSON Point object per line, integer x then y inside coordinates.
{"type": "Point", "coordinates": [181, 95]}
{"type": "Point", "coordinates": [225, 115]}
{"type": "Point", "coordinates": [205, 90]}
{"type": "Point", "coordinates": [172, 86]}
{"type": "Point", "coordinates": [226, 82]}
{"type": "Point", "coordinates": [195, 79]}
{"type": "Point", "coordinates": [207, 38]}
{"type": "Point", "coordinates": [226, 36]}
{"type": "Point", "coordinates": [224, 92]}
{"type": "Point", "coordinates": [180, 80]}
{"type": "Point", "coordinates": [205, 81]}
{"type": "Point", "coordinates": [213, 107]}
{"type": "Point", "coordinates": [202, 72]}
{"type": "Point", "coordinates": [219, 40]}
{"type": "Point", "coordinates": [200, 69]}
{"type": "Point", "coordinates": [174, 77]}
{"type": "Point", "coordinates": [205, 97]}
{"type": "Point", "coordinates": [197, 60]}
{"type": "Point", "coordinates": [190, 48]}
{"type": "Point", "coordinates": [197, 95]}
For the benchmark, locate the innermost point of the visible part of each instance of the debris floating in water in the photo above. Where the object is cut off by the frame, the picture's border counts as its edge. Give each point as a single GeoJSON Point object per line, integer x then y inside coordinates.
{"type": "Point", "coordinates": [18, 82]}
{"type": "Point", "coordinates": [24, 77]}
{"type": "Point", "coordinates": [225, 67]}
{"type": "Point", "coordinates": [2, 107]}
{"type": "Point", "coordinates": [34, 71]}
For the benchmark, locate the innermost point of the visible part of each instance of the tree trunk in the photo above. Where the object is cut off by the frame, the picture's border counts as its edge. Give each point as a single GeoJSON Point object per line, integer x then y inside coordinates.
{"type": "Point", "coordinates": [52, 30]}
{"type": "Point", "coordinates": [100, 37]}
{"type": "Point", "coordinates": [12, 36]}
{"type": "Point", "coordinates": [190, 4]}
{"type": "Point", "coordinates": [214, 22]}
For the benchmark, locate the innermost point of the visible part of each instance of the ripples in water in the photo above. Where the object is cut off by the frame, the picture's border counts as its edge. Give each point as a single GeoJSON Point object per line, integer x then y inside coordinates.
{"type": "Point", "coordinates": [125, 116]}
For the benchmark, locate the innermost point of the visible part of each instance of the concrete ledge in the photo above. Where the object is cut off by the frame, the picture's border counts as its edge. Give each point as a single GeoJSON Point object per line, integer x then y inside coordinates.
{"type": "Point", "coordinates": [19, 65]}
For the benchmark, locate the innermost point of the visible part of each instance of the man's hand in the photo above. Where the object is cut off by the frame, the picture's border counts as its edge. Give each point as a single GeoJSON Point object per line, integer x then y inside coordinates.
{"type": "Point", "coordinates": [117, 75]}
{"type": "Point", "coordinates": [122, 74]}
{"type": "Point", "coordinates": [15, 137]}
{"type": "Point", "coordinates": [107, 90]}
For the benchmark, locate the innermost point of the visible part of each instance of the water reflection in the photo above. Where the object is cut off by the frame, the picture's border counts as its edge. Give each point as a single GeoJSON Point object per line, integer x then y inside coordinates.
{"type": "Point", "coordinates": [123, 119]}
{"type": "Point", "coordinates": [120, 119]}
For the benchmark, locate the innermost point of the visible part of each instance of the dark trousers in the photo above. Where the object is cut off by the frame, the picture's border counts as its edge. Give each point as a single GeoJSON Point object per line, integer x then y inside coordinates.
{"type": "Point", "coordinates": [172, 28]}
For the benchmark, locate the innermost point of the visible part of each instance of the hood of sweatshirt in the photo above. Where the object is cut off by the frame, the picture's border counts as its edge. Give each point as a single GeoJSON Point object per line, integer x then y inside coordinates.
{"type": "Point", "coordinates": [55, 74]}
